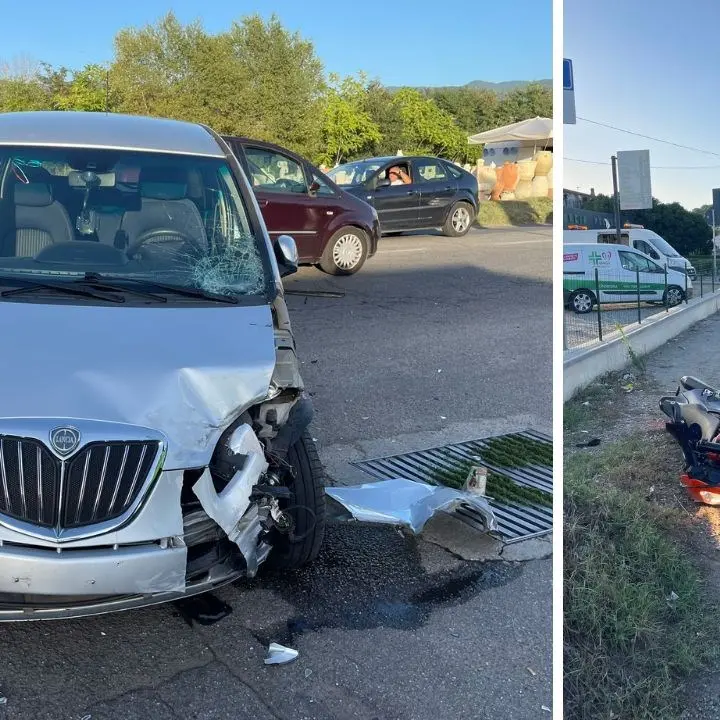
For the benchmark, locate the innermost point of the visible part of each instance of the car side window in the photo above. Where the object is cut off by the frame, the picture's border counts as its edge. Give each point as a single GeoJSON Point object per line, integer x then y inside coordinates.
{"type": "Point", "coordinates": [629, 261]}
{"type": "Point", "coordinates": [272, 171]}
{"type": "Point", "coordinates": [633, 262]}
{"type": "Point", "coordinates": [429, 171]}
{"type": "Point", "coordinates": [324, 190]}
{"type": "Point", "coordinates": [646, 248]}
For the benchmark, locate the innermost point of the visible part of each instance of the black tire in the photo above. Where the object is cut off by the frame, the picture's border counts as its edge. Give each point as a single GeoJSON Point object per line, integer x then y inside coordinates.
{"type": "Point", "coordinates": [332, 264]}
{"type": "Point", "coordinates": [673, 296]}
{"type": "Point", "coordinates": [582, 301]}
{"type": "Point", "coordinates": [308, 488]}
{"type": "Point", "coordinates": [453, 226]}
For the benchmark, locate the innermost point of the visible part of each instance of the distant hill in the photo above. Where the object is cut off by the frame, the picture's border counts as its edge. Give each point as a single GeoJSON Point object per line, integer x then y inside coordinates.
{"type": "Point", "coordinates": [499, 87]}
{"type": "Point", "coordinates": [507, 85]}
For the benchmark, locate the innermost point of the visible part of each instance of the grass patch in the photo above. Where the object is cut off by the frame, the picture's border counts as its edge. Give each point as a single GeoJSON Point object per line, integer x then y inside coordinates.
{"type": "Point", "coordinates": [628, 644]}
{"type": "Point", "coordinates": [577, 415]}
{"type": "Point", "coordinates": [533, 211]}
{"type": "Point", "coordinates": [509, 451]}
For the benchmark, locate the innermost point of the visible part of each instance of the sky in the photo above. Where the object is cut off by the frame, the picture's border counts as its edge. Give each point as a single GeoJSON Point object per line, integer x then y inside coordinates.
{"type": "Point", "coordinates": [649, 66]}
{"type": "Point", "coordinates": [400, 42]}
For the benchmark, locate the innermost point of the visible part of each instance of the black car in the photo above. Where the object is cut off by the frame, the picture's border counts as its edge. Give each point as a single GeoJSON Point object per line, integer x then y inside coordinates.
{"type": "Point", "coordinates": [413, 193]}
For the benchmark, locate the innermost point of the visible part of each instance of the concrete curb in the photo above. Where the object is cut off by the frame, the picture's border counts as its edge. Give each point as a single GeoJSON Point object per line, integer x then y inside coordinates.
{"type": "Point", "coordinates": [581, 367]}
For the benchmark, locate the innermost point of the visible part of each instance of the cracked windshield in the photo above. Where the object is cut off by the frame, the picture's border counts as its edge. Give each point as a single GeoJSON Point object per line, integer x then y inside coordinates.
{"type": "Point", "coordinates": [69, 215]}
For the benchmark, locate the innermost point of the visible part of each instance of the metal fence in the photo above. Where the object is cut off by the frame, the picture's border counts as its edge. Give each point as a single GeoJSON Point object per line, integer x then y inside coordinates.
{"type": "Point", "coordinates": [599, 307]}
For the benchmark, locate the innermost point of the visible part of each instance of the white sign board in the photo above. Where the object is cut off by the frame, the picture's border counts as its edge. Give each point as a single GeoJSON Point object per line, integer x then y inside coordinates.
{"type": "Point", "coordinates": [568, 93]}
{"type": "Point", "coordinates": [634, 180]}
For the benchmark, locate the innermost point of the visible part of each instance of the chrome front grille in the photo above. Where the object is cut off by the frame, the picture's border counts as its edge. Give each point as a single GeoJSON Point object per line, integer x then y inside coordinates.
{"type": "Point", "coordinates": [99, 482]}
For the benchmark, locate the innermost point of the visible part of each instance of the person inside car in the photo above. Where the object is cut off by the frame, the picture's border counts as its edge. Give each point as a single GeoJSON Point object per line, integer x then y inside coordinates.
{"type": "Point", "coordinates": [398, 176]}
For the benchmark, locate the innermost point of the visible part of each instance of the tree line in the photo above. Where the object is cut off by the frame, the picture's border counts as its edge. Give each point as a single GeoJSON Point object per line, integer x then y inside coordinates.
{"type": "Point", "coordinates": [687, 231]}
{"type": "Point", "coordinates": [260, 80]}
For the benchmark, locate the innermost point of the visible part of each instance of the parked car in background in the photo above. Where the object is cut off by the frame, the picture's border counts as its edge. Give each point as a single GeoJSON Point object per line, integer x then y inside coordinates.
{"type": "Point", "coordinates": [438, 194]}
{"type": "Point", "coordinates": [622, 273]}
{"type": "Point", "coordinates": [640, 238]}
{"type": "Point", "coordinates": [331, 227]}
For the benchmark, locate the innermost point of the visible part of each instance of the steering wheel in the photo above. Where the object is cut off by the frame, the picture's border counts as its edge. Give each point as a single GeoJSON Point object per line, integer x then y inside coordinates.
{"type": "Point", "coordinates": [164, 235]}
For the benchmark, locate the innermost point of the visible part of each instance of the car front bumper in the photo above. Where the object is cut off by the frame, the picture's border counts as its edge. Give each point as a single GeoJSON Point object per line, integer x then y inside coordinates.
{"type": "Point", "coordinates": [149, 558]}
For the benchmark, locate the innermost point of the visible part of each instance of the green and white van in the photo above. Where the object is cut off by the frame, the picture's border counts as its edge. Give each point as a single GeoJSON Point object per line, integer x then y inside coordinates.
{"type": "Point", "coordinates": [640, 238]}
{"type": "Point", "coordinates": [619, 269]}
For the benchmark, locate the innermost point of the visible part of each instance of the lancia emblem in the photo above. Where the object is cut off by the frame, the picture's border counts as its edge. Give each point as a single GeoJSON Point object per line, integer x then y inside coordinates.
{"type": "Point", "coordinates": [64, 440]}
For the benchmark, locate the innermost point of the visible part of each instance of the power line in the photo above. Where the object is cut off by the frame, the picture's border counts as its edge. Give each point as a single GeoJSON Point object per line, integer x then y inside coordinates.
{"type": "Point", "coordinates": [649, 137]}
{"type": "Point", "coordinates": [654, 167]}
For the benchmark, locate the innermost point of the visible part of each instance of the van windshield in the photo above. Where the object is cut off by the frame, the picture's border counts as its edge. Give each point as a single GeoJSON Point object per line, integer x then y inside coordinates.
{"type": "Point", "coordinates": [664, 247]}
{"type": "Point", "coordinates": [66, 213]}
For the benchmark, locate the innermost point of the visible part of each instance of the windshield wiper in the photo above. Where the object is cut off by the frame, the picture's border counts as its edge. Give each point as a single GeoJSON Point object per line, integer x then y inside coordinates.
{"type": "Point", "coordinates": [29, 286]}
{"type": "Point", "coordinates": [95, 278]}
{"type": "Point", "coordinates": [100, 282]}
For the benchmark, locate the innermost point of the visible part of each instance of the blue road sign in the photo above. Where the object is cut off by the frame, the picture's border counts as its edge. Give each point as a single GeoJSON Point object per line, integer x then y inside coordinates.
{"type": "Point", "coordinates": [568, 83]}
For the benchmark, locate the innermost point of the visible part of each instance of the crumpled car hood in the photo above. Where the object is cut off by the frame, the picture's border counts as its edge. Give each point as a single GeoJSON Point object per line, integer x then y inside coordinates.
{"type": "Point", "coordinates": [185, 371]}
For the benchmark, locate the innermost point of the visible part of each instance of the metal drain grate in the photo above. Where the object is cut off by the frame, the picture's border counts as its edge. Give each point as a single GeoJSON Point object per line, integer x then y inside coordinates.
{"type": "Point", "coordinates": [515, 521]}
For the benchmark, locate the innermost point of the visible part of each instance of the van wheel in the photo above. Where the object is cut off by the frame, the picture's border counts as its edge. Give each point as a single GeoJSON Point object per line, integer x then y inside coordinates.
{"type": "Point", "coordinates": [582, 301]}
{"type": "Point", "coordinates": [673, 296]}
{"type": "Point", "coordinates": [306, 481]}
{"type": "Point", "coordinates": [346, 252]}
{"type": "Point", "coordinates": [459, 220]}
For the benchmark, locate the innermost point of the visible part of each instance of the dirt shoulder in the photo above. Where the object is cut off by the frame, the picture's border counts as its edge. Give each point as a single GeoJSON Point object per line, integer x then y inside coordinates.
{"type": "Point", "coordinates": [630, 450]}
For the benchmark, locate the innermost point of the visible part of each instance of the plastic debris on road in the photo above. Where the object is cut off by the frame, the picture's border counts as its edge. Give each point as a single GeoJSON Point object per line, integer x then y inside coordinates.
{"type": "Point", "coordinates": [405, 502]}
{"type": "Point", "coordinates": [279, 654]}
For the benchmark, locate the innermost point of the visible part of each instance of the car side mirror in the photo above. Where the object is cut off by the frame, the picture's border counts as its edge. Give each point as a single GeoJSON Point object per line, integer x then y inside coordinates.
{"type": "Point", "coordinates": [314, 187]}
{"type": "Point", "coordinates": [384, 182]}
{"type": "Point", "coordinates": [286, 254]}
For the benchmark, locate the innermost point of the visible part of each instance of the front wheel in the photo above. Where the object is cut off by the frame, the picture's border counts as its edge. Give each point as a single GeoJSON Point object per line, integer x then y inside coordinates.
{"type": "Point", "coordinates": [582, 301]}
{"type": "Point", "coordinates": [346, 252]}
{"type": "Point", "coordinates": [306, 480]}
{"type": "Point", "coordinates": [673, 296]}
{"type": "Point", "coordinates": [459, 220]}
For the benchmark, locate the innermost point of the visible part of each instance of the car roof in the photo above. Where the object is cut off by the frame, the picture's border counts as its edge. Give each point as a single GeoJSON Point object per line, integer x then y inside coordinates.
{"type": "Point", "coordinates": [261, 143]}
{"type": "Point", "coordinates": [107, 131]}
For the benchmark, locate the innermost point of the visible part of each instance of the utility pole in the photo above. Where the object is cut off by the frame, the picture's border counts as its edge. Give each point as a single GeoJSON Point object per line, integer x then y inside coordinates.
{"type": "Point", "coordinates": [714, 247]}
{"type": "Point", "coordinates": [616, 197]}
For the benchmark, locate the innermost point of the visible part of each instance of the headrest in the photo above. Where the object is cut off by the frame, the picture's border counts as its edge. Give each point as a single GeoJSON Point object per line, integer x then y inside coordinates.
{"type": "Point", "coordinates": [163, 183]}
{"type": "Point", "coordinates": [33, 195]}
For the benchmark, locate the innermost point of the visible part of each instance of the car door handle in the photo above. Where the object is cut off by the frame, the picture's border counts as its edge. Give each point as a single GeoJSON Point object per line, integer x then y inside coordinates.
{"type": "Point", "coordinates": [412, 192]}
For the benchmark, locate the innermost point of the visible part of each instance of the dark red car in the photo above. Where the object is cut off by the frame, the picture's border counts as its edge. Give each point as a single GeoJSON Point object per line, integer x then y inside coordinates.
{"type": "Point", "coordinates": [331, 227]}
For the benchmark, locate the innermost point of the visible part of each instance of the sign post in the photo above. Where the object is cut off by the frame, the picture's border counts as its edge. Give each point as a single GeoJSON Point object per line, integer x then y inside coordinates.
{"type": "Point", "coordinates": [616, 198]}
{"type": "Point", "coordinates": [568, 93]}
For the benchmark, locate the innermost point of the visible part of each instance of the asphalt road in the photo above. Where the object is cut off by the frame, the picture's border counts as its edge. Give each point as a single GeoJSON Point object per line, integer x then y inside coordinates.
{"type": "Point", "coordinates": [386, 626]}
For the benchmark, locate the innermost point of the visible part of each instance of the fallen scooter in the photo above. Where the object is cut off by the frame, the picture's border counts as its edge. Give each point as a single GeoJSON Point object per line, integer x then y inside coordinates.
{"type": "Point", "coordinates": [694, 422]}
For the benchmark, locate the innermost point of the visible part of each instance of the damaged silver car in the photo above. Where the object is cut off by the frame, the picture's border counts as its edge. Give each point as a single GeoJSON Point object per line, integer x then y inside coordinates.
{"type": "Point", "coordinates": [153, 424]}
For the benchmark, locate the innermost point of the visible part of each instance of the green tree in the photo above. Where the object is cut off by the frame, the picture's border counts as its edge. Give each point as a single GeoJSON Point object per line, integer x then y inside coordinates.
{"type": "Point", "coordinates": [155, 69]}
{"type": "Point", "coordinates": [378, 103]}
{"type": "Point", "coordinates": [686, 231]}
{"type": "Point", "coordinates": [348, 131]}
{"type": "Point", "coordinates": [280, 84]}
{"type": "Point", "coordinates": [530, 101]}
{"type": "Point", "coordinates": [474, 109]}
{"type": "Point", "coordinates": [88, 90]}
{"type": "Point", "coordinates": [426, 129]}
{"type": "Point", "coordinates": [21, 87]}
